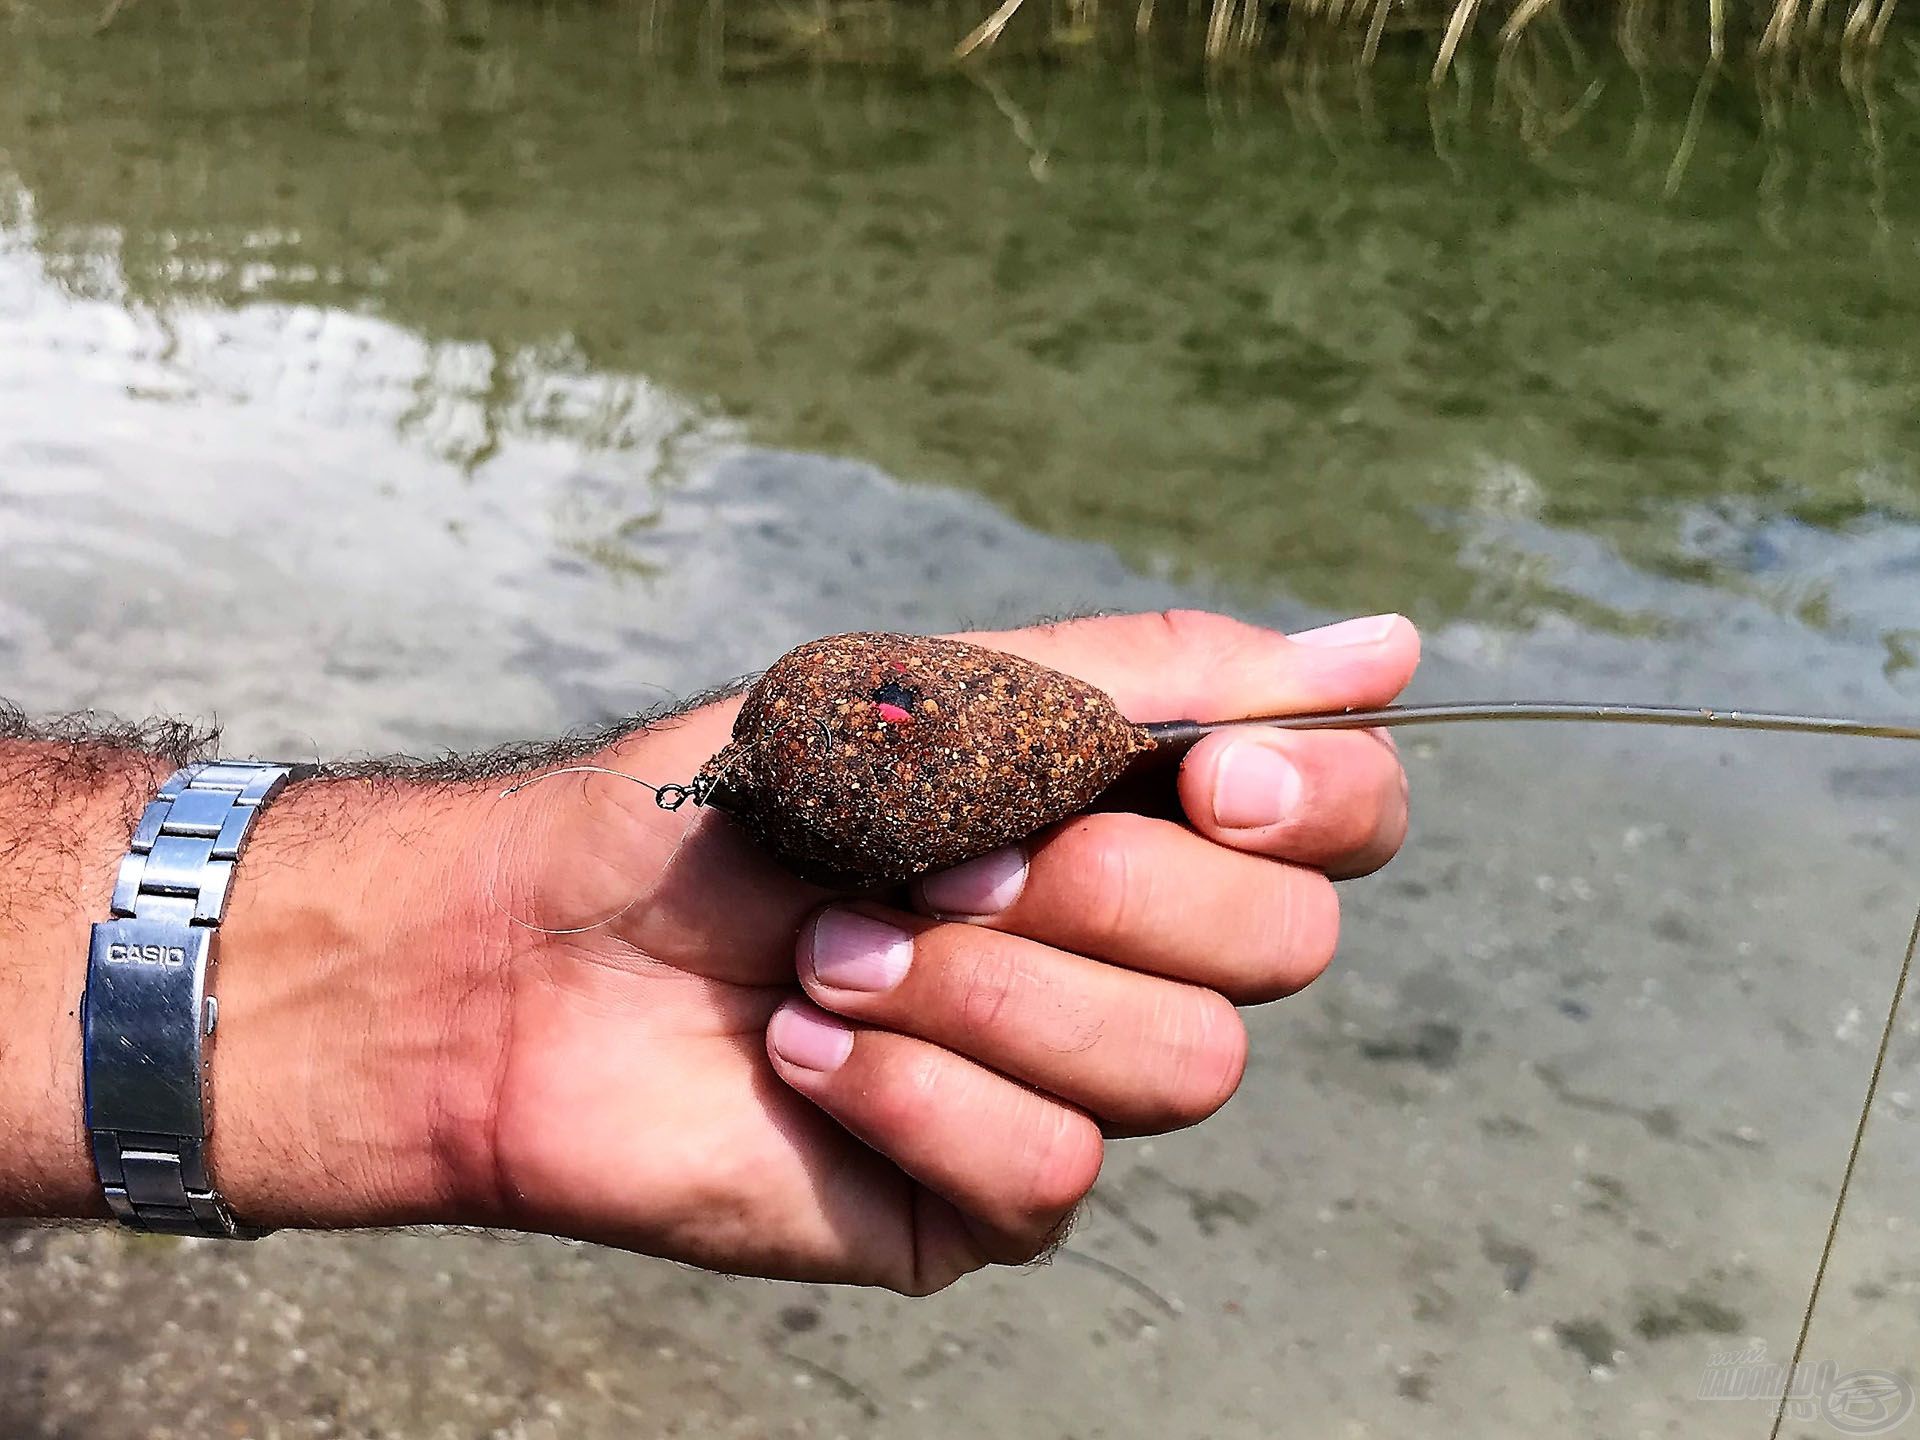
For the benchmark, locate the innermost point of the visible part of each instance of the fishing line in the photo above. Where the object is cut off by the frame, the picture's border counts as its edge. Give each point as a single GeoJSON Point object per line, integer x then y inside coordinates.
{"type": "Point", "coordinates": [1173, 738]}
{"type": "Point", "coordinates": [1185, 733]}
{"type": "Point", "coordinates": [1846, 1181]}
{"type": "Point", "coordinates": [667, 797]}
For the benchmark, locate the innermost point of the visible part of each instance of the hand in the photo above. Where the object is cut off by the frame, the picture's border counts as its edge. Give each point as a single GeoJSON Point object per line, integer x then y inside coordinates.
{"type": "Point", "coordinates": [744, 1071]}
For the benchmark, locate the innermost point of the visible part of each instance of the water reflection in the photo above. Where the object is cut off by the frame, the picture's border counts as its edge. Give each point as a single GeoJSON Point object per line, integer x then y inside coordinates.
{"type": "Point", "coordinates": [1330, 335]}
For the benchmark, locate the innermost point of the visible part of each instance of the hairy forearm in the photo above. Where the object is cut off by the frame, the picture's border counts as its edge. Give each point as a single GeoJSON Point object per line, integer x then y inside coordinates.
{"type": "Point", "coordinates": [66, 808]}
{"type": "Point", "coordinates": [676, 1044]}
{"type": "Point", "coordinates": [357, 978]}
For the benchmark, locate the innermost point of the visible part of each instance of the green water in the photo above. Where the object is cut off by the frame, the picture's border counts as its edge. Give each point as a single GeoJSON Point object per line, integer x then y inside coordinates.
{"type": "Point", "coordinates": [383, 382]}
{"type": "Point", "coordinates": [1310, 332]}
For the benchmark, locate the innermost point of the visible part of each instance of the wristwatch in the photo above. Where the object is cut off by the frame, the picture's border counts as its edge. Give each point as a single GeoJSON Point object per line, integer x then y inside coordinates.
{"type": "Point", "coordinates": [148, 1013]}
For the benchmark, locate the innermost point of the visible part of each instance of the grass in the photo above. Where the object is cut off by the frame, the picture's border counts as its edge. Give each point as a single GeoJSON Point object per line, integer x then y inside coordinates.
{"type": "Point", "coordinates": [1787, 34]}
{"type": "Point", "coordinates": [1242, 30]}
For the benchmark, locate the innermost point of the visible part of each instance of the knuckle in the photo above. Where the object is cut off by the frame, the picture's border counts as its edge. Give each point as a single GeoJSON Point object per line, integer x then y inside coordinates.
{"type": "Point", "coordinates": [1216, 1058]}
{"type": "Point", "coordinates": [1200, 633]}
{"type": "Point", "coordinates": [1117, 891]}
{"type": "Point", "coordinates": [1182, 625]}
{"type": "Point", "coordinates": [920, 1283]}
{"type": "Point", "coordinates": [903, 1097]}
{"type": "Point", "coordinates": [1207, 1049]}
{"type": "Point", "coordinates": [1038, 1244]}
{"type": "Point", "coordinates": [1315, 929]}
{"type": "Point", "coordinates": [1297, 942]}
{"type": "Point", "coordinates": [1022, 1245]}
{"type": "Point", "coordinates": [945, 1248]}
{"type": "Point", "coordinates": [1063, 1162]}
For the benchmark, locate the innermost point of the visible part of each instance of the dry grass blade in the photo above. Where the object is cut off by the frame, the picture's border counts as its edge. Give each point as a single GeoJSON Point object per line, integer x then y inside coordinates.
{"type": "Point", "coordinates": [1253, 25]}
{"type": "Point", "coordinates": [1523, 14]}
{"type": "Point", "coordinates": [1780, 26]}
{"type": "Point", "coordinates": [1038, 160]}
{"type": "Point", "coordinates": [1696, 112]}
{"type": "Point", "coordinates": [108, 16]}
{"type": "Point", "coordinates": [1627, 33]}
{"type": "Point", "coordinates": [987, 31]}
{"type": "Point", "coordinates": [1239, 28]}
{"type": "Point", "coordinates": [1375, 28]}
{"type": "Point", "coordinates": [1220, 27]}
{"type": "Point", "coordinates": [1457, 24]}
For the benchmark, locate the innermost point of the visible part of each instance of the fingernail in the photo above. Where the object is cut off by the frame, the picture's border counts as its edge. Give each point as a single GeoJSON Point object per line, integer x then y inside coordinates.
{"type": "Point", "coordinates": [851, 951]}
{"type": "Point", "coordinates": [985, 886]}
{"type": "Point", "coordinates": [809, 1038]}
{"type": "Point", "coordinates": [1254, 785]}
{"type": "Point", "coordinates": [1367, 630]}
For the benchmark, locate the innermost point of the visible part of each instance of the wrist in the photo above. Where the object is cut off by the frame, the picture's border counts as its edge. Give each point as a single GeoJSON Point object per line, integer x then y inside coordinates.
{"type": "Point", "coordinates": [363, 995]}
{"type": "Point", "coordinates": [366, 974]}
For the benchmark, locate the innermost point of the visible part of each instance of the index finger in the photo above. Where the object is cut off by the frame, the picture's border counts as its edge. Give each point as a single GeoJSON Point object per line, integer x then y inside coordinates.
{"type": "Point", "coordinates": [1192, 665]}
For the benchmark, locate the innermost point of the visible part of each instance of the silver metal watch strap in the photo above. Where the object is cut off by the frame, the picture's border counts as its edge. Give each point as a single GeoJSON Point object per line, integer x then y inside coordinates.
{"type": "Point", "coordinates": [148, 1015]}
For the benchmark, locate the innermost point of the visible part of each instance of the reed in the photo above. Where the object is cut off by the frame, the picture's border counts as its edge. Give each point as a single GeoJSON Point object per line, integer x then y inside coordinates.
{"type": "Point", "coordinates": [1785, 34]}
{"type": "Point", "coordinates": [1787, 39]}
{"type": "Point", "coordinates": [1843, 33]}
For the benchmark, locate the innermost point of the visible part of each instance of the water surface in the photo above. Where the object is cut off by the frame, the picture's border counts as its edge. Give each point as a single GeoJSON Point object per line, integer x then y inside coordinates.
{"type": "Point", "coordinates": [381, 381]}
{"type": "Point", "coordinates": [1308, 334]}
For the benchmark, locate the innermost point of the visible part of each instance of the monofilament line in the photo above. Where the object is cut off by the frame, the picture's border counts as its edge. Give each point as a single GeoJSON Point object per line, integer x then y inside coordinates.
{"type": "Point", "coordinates": [1185, 732]}
{"type": "Point", "coordinates": [1846, 1181]}
{"type": "Point", "coordinates": [668, 797]}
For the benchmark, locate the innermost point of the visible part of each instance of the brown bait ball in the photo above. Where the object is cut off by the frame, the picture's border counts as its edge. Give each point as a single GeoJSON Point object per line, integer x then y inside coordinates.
{"type": "Point", "coordinates": [866, 759]}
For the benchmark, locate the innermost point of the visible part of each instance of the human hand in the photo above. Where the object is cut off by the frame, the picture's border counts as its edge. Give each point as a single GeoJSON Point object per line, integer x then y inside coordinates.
{"type": "Point", "coordinates": [747, 1072]}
